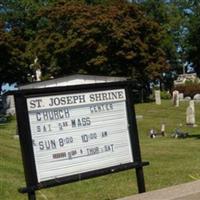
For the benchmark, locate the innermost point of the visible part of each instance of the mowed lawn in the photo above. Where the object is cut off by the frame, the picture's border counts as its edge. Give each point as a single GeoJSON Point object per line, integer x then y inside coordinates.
{"type": "Point", "coordinates": [172, 161]}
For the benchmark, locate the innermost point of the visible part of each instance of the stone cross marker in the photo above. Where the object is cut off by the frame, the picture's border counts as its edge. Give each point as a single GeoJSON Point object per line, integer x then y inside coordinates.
{"type": "Point", "coordinates": [190, 114]}
{"type": "Point", "coordinates": [157, 97]}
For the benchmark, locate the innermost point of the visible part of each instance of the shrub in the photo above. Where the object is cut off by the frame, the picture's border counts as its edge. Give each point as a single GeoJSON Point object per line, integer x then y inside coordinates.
{"type": "Point", "coordinates": [165, 95]}
{"type": "Point", "coordinates": [189, 89]}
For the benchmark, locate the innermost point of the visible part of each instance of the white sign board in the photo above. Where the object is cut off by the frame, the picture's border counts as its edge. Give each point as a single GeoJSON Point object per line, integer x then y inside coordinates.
{"type": "Point", "coordinates": [80, 132]}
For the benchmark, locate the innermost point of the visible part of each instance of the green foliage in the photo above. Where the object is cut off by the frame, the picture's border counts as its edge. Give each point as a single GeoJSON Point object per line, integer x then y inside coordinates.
{"type": "Point", "coordinates": [104, 37]}
{"type": "Point", "coordinates": [108, 40]}
{"type": "Point", "coordinates": [99, 37]}
{"type": "Point", "coordinates": [165, 95]}
{"type": "Point", "coordinates": [12, 67]}
{"type": "Point", "coordinates": [193, 42]}
{"type": "Point", "coordinates": [17, 29]}
{"type": "Point", "coordinates": [171, 19]}
{"type": "Point", "coordinates": [190, 31]}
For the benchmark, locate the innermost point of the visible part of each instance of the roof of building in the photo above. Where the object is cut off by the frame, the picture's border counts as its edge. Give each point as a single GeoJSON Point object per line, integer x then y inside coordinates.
{"type": "Point", "coordinates": [76, 79]}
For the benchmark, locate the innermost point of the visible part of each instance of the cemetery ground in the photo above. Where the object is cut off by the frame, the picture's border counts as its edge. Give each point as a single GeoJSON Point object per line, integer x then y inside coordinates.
{"type": "Point", "coordinates": [172, 161]}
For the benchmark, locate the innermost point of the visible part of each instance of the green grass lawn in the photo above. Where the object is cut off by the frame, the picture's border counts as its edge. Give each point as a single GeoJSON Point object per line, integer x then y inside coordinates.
{"type": "Point", "coordinates": [172, 161]}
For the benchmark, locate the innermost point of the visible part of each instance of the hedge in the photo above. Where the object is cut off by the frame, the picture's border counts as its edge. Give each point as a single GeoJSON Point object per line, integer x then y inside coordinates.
{"type": "Point", "coordinates": [188, 89]}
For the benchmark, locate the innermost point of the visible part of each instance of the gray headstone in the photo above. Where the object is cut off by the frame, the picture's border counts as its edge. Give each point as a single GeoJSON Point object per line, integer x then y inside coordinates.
{"type": "Point", "coordinates": [187, 98]}
{"type": "Point", "coordinates": [197, 97]}
{"type": "Point", "coordinates": [181, 96]}
{"type": "Point", "coordinates": [9, 105]}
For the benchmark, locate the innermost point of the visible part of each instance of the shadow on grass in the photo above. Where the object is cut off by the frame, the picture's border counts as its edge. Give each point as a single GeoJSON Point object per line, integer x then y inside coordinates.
{"type": "Point", "coordinates": [195, 136]}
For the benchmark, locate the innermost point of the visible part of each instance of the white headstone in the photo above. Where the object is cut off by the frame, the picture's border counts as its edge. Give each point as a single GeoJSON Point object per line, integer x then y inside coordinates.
{"type": "Point", "coordinates": [190, 116]}
{"type": "Point", "coordinates": [191, 104]}
{"type": "Point", "coordinates": [157, 97]}
{"type": "Point", "coordinates": [181, 96]}
{"type": "Point", "coordinates": [38, 74]}
{"type": "Point", "coordinates": [162, 129]}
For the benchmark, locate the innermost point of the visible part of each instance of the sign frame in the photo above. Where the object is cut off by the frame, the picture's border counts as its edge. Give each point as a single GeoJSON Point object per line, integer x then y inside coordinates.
{"type": "Point", "coordinates": [24, 131]}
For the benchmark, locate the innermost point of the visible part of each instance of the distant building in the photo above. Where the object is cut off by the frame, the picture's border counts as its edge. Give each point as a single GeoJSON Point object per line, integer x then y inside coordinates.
{"type": "Point", "coordinates": [9, 106]}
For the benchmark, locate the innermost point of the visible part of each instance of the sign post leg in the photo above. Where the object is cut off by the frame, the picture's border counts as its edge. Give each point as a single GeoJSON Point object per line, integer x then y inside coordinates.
{"type": "Point", "coordinates": [140, 180]}
{"type": "Point", "coordinates": [31, 195]}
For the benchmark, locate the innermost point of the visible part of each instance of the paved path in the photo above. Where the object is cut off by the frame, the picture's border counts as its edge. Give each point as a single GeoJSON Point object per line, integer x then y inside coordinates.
{"type": "Point", "coordinates": [187, 191]}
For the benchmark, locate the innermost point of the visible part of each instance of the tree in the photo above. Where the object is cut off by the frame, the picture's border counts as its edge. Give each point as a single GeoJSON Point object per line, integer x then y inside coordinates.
{"type": "Point", "coordinates": [104, 38]}
{"type": "Point", "coordinates": [192, 9]}
{"type": "Point", "coordinates": [107, 40]}
{"type": "Point", "coordinates": [19, 15]}
{"type": "Point", "coordinates": [193, 43]}
{"type": "Point", "coordinates": [17, 29]}
{"type": "Point", "coordinates": [12, 61]}
{"type": "Point", "coordinates": [171, 19]}
{"type": "Point", "coordinates": [172, 16]}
